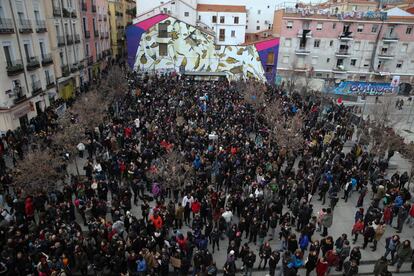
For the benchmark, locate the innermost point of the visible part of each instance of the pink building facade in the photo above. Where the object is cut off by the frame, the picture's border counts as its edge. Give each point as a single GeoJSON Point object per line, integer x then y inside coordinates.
{"type": "Point", "coordinates": [95, 28]}
{"type": "Point", "coordinates": [365, 47]}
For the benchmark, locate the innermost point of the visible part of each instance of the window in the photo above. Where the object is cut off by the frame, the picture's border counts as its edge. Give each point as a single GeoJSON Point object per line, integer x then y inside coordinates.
{"type": "Point", "coordinates": [399, 64]}
{"type": "Point", "coordinates": [314, 60]}
{"type": "Point", "coordinates": [404, 48]}
{"type": "Point", "coordinates": [214, 19]}
{"type": "Point", "coordinates": [360, 28]}
{"type": "Point", "coordinates": [259, 11]}
{"type": "Point", "coordinates": [409, 30]}
{"type": "Point", "coordinates": [8, 53]}
{"type": "Point", "coordinates": [163, 30]}
{"type": "Point", "coordinates": [289, 25]}
{"type": "Point", "coordinates": [186, 14]}
{"type": "Point", "coordinates": [362, 78]}
{"type": "Point", "coordinates": [270, 58]}
{"type": "Point", "coordinates": [233, 33]}
{"type": "Point", "coordinates": [319, 26]}
{"type": "Point", "coordinates": [374, 28]}
{"type": "Point", "coordinates": [257, 28]}
{"type": "Point", "coordinates": [222, 35]}
{"type": "Point", "coordinates": [334, 26]}
{"type": "Point", "coordinates": [221, 19]}
{"type": "Point", "coordinates": [285, 59]}
{"type": "Point", "coordinates": [236, 20]}
{"type": "Point", "coordinates": [367, 62]}
{"type": "Point", "coordinates": [353, 62]}
{"type": "Point", "coordinates": [331, 43]}
{"type": "Point", "coordinates": [163, 49]}
{"type": "Point", "coordinates": [316, 43]}
{"type": "Point", "coordinates": [288, 42]}
{"type": "Point", "coordinates": [328, 60]}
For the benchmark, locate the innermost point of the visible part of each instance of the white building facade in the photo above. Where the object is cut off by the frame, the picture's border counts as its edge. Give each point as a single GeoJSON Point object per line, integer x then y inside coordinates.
{"type": "Point", "coordinates": [26, 74]}
{"type": "Point", "coordinates": [228, 22]}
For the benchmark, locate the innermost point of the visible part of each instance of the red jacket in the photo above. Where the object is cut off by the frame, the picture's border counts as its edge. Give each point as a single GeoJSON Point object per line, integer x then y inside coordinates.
{"type": "Point", "coordinates": [28, 207]}
{"type": "Point", "coordinates": [195, 207]}
{"type": "Point", "coordinates": [412, 211]}
{"type": "Point", "coordinates": [321, 268]}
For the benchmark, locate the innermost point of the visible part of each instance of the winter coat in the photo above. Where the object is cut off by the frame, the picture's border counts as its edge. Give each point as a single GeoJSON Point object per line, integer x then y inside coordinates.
{"type": "Point", "coordinates": [379, 232]}
{"type": "Point", "coordinates": [321, 268]}
{"type": "Point", "coordinates": [380, 266]}
{"type": "Point", "coordinates": [327, 220]}
{"type": "Point", "coordinates": [404, 252]}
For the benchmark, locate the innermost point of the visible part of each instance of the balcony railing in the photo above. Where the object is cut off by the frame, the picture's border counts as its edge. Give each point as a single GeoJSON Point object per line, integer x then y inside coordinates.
{"type": "Point", "coordinates": [14, 67]}
{"type": "Point", "coordinates": [6, 26]}
{"type": "Point", "coordinates": [73, 14]}
{"type": "Point", "coordinates": [342, 53]}
{"type": "Point", "coordinates": [74, 68]}
{"type": "Point", "coordinates": [99, 17]}
{"type": "Point", "coordinates": [302, 51]}
{"type": "Point", "coordinates": [47, 59]}
{"type": "Point", "coordinates": [65, 71]}
{"type": "Point", "coordinates": [41, 26]}
{"type": "Point", "coordinates": [20, 97]}
{"type": "Point", "coordinates": [390, 37]}
{"type": "Point", "coordinates": [93, 8]}
{"type": "Point", "coordinates": [57, 11]}
{"type": "Point", "coordinates": [84, 7]}
{"type": "Point", "coordinates": [61, 40]}
{"type": "Point", "coordinates": [77, 38]}
{"type": "Point", "coordinates": [69, 39]}
{"type": "Point", "coordinates": [105, 18]}
{"type": "Point", "coordinates": [50, 84]}
{"type": "Point", "coordinates": [25, 26]}
{"type": "Point", "coordinates": [90, 60]}
{"type": "Point", "coordinates": [87, 34]}
{"type": "Point", "coordinates": [66, 13]}
{"type": "Point", "coordinates": [96, 33]}
{"type": "Point", "coordinates": [32, 63]}
{"type": "Point", "coordinates": [36, 87]}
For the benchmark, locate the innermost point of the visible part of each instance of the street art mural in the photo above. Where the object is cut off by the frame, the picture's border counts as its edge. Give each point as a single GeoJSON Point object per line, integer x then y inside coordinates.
{"type": "Point", "coordinates": [363, 88]}
{"type": "Point", "coordinates": [163, 43]}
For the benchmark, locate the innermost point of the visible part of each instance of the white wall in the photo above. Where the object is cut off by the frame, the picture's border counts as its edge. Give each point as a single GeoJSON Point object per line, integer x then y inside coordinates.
{"type": "Point", "coordinates": [147, 9]}
{"type": "Point", "coordinates": [266, 8]}
{"type": "Point", "coordinates": [229, 26]}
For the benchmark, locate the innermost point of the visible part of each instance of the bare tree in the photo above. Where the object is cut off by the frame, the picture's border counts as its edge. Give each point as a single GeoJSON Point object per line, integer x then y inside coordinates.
{"type": "Point", "coordinates": [40, 170]}
{"type": "Point", "coordinates": [90, 109]}
{"type": "Point", "coordinates": [381, 111]}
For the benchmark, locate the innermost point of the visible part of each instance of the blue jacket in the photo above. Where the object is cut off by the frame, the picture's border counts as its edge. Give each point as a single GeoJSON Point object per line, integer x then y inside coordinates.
{"type": "Point", "coordinates": [304, 242]}
{"type": "Point", "coordinates": [142, 266]}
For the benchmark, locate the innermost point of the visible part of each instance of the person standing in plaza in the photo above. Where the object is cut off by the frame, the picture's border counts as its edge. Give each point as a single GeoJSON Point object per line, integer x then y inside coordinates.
{"type": "Point", "coordinates": [327, 221]}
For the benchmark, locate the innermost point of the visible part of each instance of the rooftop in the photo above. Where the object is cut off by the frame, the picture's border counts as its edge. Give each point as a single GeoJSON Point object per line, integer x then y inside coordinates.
{"type": "Point", "coordinates": [220, 8]}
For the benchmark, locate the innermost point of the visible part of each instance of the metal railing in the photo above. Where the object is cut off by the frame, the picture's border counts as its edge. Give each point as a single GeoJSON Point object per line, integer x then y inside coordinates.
{"type": "Point", "coordinates": [65, 71]}
{"type": "Point", "coordinates": [47, 59]}
{"type": "Point", "coordinates": [36, 87]}
{"type": "Point", "coordinates": [84, 7]}
{"type": "Point", "coordinates": [77, 38]}
{"type": "Point", "coordinates": [14, 67]}
{"type": "Point", "coordinates": [41, 26]}
{"type": "Point", "coordinates": [60, 40]}
{"type": "Point", "coordinates": [6, 26]}
{"type": "Point", "coordinates": [25, 26]}
{"type": "Point", "coordinates": [96, 33]}
{"type": "Point", "coordinates": [87, 34]}
{"type": "Point", "coordinates": [69, 39]}
{"type": "Point", "coordinates": [32, 63]}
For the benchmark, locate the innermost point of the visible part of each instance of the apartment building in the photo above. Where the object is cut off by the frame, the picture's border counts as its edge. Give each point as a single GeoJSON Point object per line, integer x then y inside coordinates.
{"type": "Point", "coordinates": [254, 17]}
{"type": "Point", "coordinates": [27, 81]}
{"type": "Point", "coordinates": [363, 46]}
{"type": "Point", "coordinates": [228, 22]}
{"type": "Point", "coordinates": [95, 29]}
{"type": "Point", "coordinates": [66, 43]}
{"type": "Point", "coordinates": [121, 13]}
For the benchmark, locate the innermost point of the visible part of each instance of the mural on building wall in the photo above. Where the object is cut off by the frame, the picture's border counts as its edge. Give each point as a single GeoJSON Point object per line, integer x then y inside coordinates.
{"type": "Point", "coordinates": [193, 50]}
{"type": "Point", "coordinates": [360, 88]}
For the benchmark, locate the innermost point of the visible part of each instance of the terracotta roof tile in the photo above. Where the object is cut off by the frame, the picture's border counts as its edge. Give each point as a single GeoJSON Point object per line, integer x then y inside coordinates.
{"type": "Point", "coordinates": [220, 8]}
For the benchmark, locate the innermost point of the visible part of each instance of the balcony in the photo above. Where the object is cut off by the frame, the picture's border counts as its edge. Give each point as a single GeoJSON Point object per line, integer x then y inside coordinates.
{"type": "Point", "coordinates": [93, 8]}
{"type": "Point", "coordinates": [390, 38]}
{"type": "Point", "coordinates": [306, 32]}
{"type": "Point", "coordinates": [50, 84]}
{"type": "Point", "coordinates": [105, 18]}
{"type": "Point", "coordinates": [69, 39]}
{"type": "Point", "coordinates": [346, 36]}
{"type": "Point", "coordinates": [6, 26]}
{"type": "Point", "coordinates": [343, 53]}
{"type": "Point", "coordinates": [87, 34]}
{"type": "Point", "coordinates": [96, 33]}
{"type": "Point", "coordinates": [385, 55]}
{"type": "Point", "coordinates": [77, 38]}
{"type": "Point", "coordinates": [117, 13]}
{"type": "Point", "coordinates": [20, 97]}
{"type": "Point", "coordinates": [65, 71]}
{"type": "Point", "coordinates": [41, 26]}
{"type": "Point", "coordinates": [47, 59]}
{"type": "Point", "coordinates": [74, 68]}
{"type": "Point", "coordinates": [66, 13]}
{"type": "Point", "coordinates": [56, 11]}
{"type": "Point", "coordinates": [99, 17]}
{"type": "Point", "coordinates": [73, 14]}
{"type": "Point", "coordinates": [14, 67]}
{"type": "Point", "coordinates": [25, 26]}
{"type": "Point", "coordinates": [90, 60]}
{"type": "Point", "coordinates": [302, 51]}
{"type": "Point", "coordinates": [339, 69]}
{"type": "Point", "coordinates": [36, 87]}
{"type": "Point", "coordinates": [84, 7]}
{"type": "Point", "coordinates": [60, 40]}
{"type": "Point", "coordinates": [32, 63]}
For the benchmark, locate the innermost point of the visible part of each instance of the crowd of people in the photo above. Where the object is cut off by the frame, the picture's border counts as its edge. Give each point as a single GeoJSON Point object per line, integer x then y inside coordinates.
{"type": "Point", "coordinates": [232, 189]}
